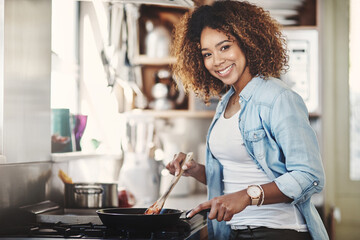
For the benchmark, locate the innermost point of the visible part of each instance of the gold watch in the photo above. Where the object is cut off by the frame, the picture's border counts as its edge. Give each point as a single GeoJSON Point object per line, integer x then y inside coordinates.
{"type": "Point", "coordinates": [254, 192]}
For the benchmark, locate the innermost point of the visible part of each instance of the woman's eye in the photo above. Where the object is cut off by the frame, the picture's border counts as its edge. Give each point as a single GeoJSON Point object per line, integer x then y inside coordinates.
{"type": "Point", "coordinates": [224, 47]}
{"type": "Point", "coordinates": [206, 55]}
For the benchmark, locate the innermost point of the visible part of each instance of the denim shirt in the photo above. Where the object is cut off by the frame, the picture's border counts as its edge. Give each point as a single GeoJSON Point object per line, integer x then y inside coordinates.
{"type": "Point", "coordinates": [274, 124]}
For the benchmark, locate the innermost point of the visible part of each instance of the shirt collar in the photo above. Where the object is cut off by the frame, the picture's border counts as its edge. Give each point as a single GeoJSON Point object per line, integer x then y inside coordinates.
{"type": "Point", "coordinates": [246, 93]}
{"type": "Point", "coordinates": [250, 88]}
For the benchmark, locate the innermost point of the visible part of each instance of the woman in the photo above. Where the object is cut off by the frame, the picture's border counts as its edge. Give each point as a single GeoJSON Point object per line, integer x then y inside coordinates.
{"type": "Point", "coordinates": [263, 162]}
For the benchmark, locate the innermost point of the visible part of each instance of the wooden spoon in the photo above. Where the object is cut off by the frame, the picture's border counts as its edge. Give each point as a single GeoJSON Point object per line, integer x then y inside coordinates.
{"type": "Point", "coordinates": [158, 205]}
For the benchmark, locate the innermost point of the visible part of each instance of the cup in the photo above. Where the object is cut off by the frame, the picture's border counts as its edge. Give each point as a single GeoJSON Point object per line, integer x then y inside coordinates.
{"type": "Point", "coordinates": [60, 130]}
{"type": "Point", "coordinates": [80, 124]}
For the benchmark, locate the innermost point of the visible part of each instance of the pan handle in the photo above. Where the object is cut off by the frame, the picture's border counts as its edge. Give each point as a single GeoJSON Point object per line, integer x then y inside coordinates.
{"type": "Point", "coordinates": [203, 212]}
{"type": "Point", "coordinates": [88, 190]}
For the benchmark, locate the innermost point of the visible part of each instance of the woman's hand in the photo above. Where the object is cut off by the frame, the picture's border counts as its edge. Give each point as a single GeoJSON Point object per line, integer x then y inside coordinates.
{"type": "Point", "coordinates": [191, 168]}
{"type": "Point", "coordinates": [224, 207]}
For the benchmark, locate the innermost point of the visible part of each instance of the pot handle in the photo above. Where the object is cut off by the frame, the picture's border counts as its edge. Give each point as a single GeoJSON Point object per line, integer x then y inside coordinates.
{"type": "Point", "coordinates": [203, 212]}
{"type": "Point", "coordinates": [88, 190]}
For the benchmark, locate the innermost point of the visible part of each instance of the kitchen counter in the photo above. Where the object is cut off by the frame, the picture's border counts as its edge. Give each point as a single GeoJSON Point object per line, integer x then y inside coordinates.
{"type": "Point", "coordinates": [2, 159]}
{"type": "Point", "coordinates": [185, 202]}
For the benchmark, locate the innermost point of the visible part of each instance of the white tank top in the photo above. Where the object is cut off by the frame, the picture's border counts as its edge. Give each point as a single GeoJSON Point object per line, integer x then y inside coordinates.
{"type": "Point", "coordinates": [240, 171]}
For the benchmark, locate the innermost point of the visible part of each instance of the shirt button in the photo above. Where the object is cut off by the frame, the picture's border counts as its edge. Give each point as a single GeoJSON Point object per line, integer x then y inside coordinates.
{"type": "Point", "coordinates": [255, 136]}
{"type": "Point", "coordinates": [315, 183]}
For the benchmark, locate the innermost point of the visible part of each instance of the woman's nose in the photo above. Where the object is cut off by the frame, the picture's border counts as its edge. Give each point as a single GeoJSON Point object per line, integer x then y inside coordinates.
{"type": "Point", "coordinates": [218, 59]}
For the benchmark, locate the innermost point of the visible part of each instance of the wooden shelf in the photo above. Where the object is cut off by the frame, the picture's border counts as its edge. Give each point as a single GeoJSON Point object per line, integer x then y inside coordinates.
{"type": "Point", "coordinates": [145, 60]}
{"type": "Point", "coordinates": [170, 113]}
{"type": "Point", "coordinates": [300, 28]}
{"type": "Point", "coordinates": [69, 156]}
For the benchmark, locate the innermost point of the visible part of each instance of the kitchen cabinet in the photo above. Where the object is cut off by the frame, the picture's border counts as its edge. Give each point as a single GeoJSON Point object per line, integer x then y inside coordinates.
{"type": "Point", "coordinates": [304, 62]}
{"type": "Point", "coordinates": [297, 18]}
{"type": "Point", "coordinates": [156, 24]}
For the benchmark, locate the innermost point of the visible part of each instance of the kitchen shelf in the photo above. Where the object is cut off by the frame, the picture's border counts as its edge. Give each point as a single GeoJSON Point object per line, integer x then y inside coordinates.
{"type": "Point", "coordinates": [69, 156]}
{"type": "Point", "coordinates": [300, 28]}
{"type": "Point", "coordinates": [171, 113]}
{"type": "Point", "coordinates": [145, 60]}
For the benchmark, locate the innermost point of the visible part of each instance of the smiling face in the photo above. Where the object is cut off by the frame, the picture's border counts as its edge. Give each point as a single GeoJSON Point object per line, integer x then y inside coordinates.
{"type": "Point", "coordinates": [224, 59]}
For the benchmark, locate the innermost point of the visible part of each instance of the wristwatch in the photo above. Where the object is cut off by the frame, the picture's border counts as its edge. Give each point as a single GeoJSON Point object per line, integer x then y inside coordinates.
{"type": "Point", "coordinates": [254, 192]}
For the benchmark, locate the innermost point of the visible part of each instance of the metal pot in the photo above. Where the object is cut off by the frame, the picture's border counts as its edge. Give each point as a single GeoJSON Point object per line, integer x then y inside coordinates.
{"type": "Point", "coordinates": [91, 195]}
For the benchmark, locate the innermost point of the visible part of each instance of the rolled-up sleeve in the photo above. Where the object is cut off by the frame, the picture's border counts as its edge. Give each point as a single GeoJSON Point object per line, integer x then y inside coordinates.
{"type": "Point", "coordinates": [297, 186]}
{"type": "Point", "coordinates": [297, 140]}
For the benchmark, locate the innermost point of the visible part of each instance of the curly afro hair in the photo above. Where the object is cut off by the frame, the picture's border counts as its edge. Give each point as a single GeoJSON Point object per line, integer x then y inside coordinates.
{"type": "Point", "coordinates": [257, 34]}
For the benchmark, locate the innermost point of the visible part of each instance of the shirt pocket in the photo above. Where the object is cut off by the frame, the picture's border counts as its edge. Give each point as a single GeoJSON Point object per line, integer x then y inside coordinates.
{"type": "Point", "coordinates": [256, 139]}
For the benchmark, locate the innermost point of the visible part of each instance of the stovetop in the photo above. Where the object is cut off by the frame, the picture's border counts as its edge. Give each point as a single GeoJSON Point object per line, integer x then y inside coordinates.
{"type": "Point", "coordinates": [73, 226]}
{"type": "Point", "coordinates": [93, 231]}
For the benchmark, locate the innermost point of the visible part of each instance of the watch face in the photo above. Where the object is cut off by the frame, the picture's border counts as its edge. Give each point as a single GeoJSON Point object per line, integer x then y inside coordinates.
{"type": "Point", "coordinates": [254, 191]}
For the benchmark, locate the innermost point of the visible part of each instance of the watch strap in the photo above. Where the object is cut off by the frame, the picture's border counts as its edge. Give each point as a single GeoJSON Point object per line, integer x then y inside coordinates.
{"type": "Point", "coordinates": [262, 196]}
{"type": "Point", "coordinates": [255, 201]}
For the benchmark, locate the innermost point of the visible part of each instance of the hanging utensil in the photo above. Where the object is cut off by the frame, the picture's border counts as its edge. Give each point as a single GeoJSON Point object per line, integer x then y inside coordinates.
{"type": "Point", "coordinates": [64, 177]}
{"type": "Point", "coordinates": [158, 205]}
{"type": "Point", "coordinates": [110, 53]}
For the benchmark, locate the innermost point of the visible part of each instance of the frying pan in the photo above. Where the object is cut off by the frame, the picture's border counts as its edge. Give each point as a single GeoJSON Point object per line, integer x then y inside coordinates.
{"type": "Point", "coordinates": [134, 218]}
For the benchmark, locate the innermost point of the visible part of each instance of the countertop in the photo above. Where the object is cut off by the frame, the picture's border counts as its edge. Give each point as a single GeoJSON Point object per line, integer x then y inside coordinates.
{"type": "Point", "coordinates": [185, 202]}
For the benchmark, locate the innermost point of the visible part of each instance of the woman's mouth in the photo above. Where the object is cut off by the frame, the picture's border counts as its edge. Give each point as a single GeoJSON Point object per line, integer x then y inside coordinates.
{"type": "Point", "coordinates": [225, 71]}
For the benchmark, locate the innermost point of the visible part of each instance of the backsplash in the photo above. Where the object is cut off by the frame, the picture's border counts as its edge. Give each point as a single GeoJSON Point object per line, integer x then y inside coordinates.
{"type": "Point", "coordinates": [29, 183]}
{"type": "Point", "coordinates": [23, 183]}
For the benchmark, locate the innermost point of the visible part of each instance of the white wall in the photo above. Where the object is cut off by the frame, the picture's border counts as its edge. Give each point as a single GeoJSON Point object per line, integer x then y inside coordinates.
{"type": "Point", "coordinates": [340, 191]}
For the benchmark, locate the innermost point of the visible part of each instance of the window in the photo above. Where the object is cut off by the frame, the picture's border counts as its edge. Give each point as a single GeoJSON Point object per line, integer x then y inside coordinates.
{"type": "Point", "coordinates": [78, 80]}
{"type": "Point", "coordinates": [354, 90]}
{"type": "Point", "coordinates": [64, 69]}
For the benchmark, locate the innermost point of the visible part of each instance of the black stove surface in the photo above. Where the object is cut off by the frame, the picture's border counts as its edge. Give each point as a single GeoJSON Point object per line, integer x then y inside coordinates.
{"type": "Point", "coordinates": [184, 229]}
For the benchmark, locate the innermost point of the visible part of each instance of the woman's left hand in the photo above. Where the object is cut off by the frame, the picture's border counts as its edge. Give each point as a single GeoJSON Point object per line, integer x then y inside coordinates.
{"type": "Point", "coordinates": [224, 207]}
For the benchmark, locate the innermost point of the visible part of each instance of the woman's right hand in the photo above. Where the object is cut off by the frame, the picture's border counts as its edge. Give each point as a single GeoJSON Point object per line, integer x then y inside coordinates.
{"type": "Point", "coordinates": [191, 168]}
